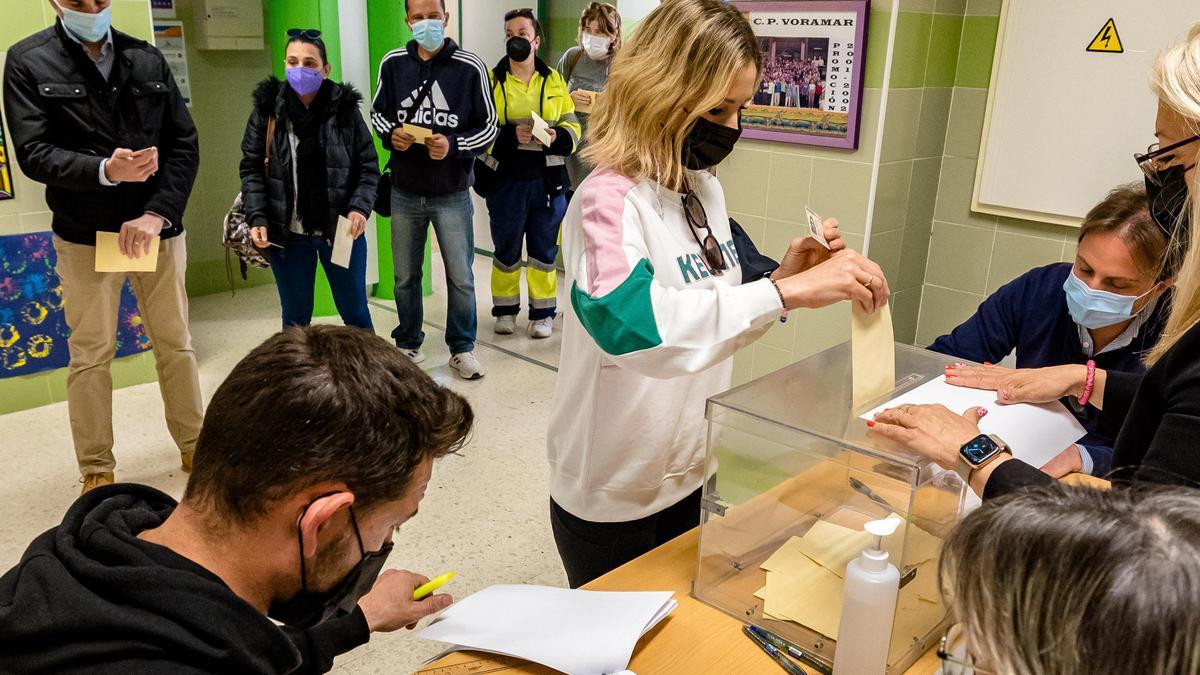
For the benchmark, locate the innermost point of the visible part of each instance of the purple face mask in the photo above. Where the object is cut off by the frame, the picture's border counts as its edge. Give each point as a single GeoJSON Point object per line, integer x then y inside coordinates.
{"type": "Point", "coordinates": [304, 81]}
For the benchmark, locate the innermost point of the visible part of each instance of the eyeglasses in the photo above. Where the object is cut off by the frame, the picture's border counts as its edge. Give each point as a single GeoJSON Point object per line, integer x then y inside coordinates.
{"type": "Point", "coordinates": [693, 210]}
{"type": "Point", "coordinates": [1156, 159]}
{"type": "Point", "coordinates": [953, 653]}
{"type": "Point", "coordinates": [306, 33]}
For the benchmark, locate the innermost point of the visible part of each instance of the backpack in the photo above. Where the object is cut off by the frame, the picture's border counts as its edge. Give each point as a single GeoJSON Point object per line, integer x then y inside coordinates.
{"type": "Point", "coordinates": [235, 232]}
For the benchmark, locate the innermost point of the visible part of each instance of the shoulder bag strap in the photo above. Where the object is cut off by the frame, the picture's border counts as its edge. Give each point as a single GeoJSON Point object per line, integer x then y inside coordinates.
{"type": "Point", "coordinates": [270, 142]}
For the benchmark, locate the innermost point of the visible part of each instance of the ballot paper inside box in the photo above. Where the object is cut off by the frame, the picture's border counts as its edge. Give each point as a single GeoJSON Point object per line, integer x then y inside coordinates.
{"type": "Point", "coordinates": [796, 478]}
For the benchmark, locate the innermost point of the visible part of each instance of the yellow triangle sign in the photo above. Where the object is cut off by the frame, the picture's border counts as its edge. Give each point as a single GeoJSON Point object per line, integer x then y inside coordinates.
{"type": "Point", "coordinates": [1107, 40]}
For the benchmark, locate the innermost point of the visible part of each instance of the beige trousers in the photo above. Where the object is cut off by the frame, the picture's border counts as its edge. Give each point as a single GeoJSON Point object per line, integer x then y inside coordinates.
{"type": "Point", "coordinates": [90, 301]}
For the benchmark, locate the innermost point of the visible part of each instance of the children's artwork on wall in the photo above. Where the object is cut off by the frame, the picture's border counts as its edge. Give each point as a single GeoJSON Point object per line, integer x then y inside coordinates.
{"type": "Point", "coordinates": [812, 78]}
{"type": "Point", "coordinates": [33, 328]}
{"type": "Point", "coordinates": [6, 183]}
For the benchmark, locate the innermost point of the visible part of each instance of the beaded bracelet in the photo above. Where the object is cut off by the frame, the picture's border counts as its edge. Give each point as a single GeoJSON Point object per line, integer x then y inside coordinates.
{"type": "Point", "coordinates": [784, 314]}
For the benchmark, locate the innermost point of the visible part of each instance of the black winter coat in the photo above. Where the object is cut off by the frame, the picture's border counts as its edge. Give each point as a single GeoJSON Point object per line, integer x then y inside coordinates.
{"type": "Point", "coordinates": [352, 165]}
{"type": "Point", "coordinates": [65, 119]}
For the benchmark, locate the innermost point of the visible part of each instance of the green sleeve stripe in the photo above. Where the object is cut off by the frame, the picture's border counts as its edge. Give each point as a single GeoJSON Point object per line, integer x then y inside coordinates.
{"type": "Point", "coordinates": [622, 321]}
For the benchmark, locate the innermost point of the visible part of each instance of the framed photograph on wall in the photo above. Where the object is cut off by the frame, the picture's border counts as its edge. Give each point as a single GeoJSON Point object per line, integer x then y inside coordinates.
{"type": "Point", "coordinates": [6, 182]}
{"type": "Point", "coordinates": [811, 87]}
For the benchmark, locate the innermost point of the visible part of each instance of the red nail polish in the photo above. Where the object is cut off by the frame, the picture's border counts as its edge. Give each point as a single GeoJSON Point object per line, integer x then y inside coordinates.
{"type": "Point", "coordinates": [870, 423]}
{"type": "Point", "coordinates": [983, 412]}
{"type": "Point", "coordinates": [987, 363]}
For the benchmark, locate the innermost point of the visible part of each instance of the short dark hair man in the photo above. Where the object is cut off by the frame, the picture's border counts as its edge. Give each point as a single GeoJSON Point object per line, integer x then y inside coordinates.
{"type": "Point", "coordinates": [95, 115]}
{"type": "Point", "coordinates": [432, 84]}
{"type": "Point", "coordinates": [317, 446]}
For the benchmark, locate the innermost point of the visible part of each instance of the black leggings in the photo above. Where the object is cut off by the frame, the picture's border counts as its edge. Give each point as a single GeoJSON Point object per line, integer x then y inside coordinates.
{"type": "Point", "coordinates": [590, 550]}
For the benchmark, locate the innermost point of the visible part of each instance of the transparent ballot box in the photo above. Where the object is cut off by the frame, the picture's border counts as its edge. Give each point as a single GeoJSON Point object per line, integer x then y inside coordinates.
{"type": "Point", "coordinates": [796, 478]}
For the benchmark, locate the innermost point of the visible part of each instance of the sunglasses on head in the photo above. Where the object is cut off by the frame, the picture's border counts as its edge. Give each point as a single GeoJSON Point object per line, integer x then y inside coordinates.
{"type": "Point", "coordinates": [307, 33]}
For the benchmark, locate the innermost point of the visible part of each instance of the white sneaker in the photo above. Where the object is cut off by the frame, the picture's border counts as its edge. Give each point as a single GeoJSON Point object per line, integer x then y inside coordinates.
{"type": "Point", "coordinates": [541, 328]}
{"type": "Point", "coordinates": [416, 355]}
{"type": "Point", "coordinates": [506, 325]}
{"type": "Point", "coordinates": [467, 366]}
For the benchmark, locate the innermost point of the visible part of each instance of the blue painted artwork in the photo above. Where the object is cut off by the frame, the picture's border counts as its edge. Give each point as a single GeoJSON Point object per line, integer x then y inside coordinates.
{"type": "Point", "coordinates": [33, 328]}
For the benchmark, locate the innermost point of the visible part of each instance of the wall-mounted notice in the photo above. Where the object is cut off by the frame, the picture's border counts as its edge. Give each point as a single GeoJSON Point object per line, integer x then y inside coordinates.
{"type": "Point", "coordinates": [162, 9]}
{"type": "Point", "coordinates": [812, 78]}
{"type": "Point", "coordinates": [168, 37]}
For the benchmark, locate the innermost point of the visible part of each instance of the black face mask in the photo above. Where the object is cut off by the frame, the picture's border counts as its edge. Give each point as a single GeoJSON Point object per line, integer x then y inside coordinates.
{"type": "Point", "coordinates": [518, 48]}
{"type": "Point", "coordinates": [309, 608]}
{"type": "Point", "coordinates": [708, 144]}
{"type": "Point", "coordinates": [1167, 191]}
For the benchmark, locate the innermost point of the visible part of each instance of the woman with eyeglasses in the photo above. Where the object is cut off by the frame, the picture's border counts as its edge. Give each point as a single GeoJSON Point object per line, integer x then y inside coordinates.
{"type": "Point", "coordinates": [1031, 608]}
{"type": "Point", "coordinates": [1156, 417]}
{"type": "Point", "coordinates": [322, 166]}
{"type": "Point", "coordinates": [1108, 307]}
{"type": "Point", "coordinates": [585, 68]}
{"type": "Point", "coordinates": [661, 296]}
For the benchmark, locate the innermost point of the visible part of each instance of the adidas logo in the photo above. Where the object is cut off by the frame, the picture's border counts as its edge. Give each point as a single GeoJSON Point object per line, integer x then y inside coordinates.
{"type": "Point", "coordinates": [434, 110]}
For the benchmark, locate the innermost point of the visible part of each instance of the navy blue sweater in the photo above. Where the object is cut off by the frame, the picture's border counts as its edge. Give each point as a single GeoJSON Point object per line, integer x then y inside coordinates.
{"type": "Point", "coordinates": [459, 105]}
{"type": "Point", "coordinates": [1029, 314]}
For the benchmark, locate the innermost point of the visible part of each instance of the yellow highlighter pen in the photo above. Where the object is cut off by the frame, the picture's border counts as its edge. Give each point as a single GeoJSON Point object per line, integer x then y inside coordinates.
{"type": "Point", "coordinates": [425, 590]}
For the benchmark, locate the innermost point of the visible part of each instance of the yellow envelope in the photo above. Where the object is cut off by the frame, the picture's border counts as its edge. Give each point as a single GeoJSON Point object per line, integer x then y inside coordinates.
{"type": "Point", "coordinates": [110, 259]}
{"type": "Point", "coordinates": [873, 354]}
{"type": "Point", "coordinates": [810, 596]}
{"type": "Point", "coordinates": [421, 134]}
{"type": "Point", "coordinates": [587, 107]}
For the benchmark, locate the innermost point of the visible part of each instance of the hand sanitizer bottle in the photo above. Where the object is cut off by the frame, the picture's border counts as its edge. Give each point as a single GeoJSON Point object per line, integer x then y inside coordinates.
{"type": "Point", "coordinates": [868, 607]}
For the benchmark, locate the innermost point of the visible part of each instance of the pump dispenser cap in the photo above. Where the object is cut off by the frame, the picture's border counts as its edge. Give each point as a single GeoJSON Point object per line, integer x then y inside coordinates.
{"type": "Point", "coordinates": [876, 557]}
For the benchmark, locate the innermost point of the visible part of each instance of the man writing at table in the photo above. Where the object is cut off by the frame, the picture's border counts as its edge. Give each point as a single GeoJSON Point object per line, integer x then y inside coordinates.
{"type": "Point", "coordinates": [95, 115]}
{"type": "Point", "coordinates": [317, 447]}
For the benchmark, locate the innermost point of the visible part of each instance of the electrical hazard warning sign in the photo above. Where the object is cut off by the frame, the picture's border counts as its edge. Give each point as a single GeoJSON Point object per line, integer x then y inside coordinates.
{"type": "Point", "coordinates": [1107, 40]}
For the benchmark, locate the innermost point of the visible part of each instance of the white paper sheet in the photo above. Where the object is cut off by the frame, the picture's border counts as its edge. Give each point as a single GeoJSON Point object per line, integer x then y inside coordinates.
{"type": "Point", "coordinates": [1035, 433]}
{"type": "Point", "coordinates": [541, 130]}
{"type": "Point", "coordinates": [343, 243]}
{"type": "Point", "coordinates": [578, 632]}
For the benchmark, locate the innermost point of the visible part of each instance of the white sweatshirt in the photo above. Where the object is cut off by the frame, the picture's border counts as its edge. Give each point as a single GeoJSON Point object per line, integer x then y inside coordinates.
{"type": "Point", "coordinates": [648, 338]}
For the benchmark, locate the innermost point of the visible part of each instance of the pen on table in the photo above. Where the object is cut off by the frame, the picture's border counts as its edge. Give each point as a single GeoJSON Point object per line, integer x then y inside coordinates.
{"type": "Point", "coordinates": [790, 648]}
{"type": "Point", "coordinates": [432, 585]}
{"type": "Point", "coordinates": [783, 661]}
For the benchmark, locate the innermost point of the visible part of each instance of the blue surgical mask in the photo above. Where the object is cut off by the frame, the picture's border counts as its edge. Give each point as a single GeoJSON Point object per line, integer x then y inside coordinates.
{"type": "Point", "coordinates": [430, 33]}
{"type": "Point", "coordinates": [87, 27]}
{"type": "Point", "coordinates": [1097, 309]}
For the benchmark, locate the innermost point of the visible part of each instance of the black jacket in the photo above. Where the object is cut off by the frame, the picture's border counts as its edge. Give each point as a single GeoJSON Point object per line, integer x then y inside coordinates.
{"type": "Point", "coordinates": [458, 106]}
{"type": "Point", "coordinates": [1155, 418]}
{"type": "Point", "coordinates": [65, 119]}
{"type": "Point", "coordinates": [352, 166]}
{"type": "Point", "coordinates": [90, 597]}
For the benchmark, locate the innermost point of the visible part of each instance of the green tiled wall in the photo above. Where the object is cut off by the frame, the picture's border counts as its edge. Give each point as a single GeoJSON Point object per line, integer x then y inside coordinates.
{"type": "Point", "coordinates": [768, 184]}
{"type": "Point", "coordinates": [971, 254]}
{"type": "Point", "coordinates": [28, 212]}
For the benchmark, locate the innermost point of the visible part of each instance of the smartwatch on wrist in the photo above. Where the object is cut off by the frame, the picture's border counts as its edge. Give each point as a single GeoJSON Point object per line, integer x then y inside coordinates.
{"type": "Point", "coordinates": [979, 452]}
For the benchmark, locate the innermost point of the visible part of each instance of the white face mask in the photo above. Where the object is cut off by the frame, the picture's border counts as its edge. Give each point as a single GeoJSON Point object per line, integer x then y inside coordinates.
{"type": "Point", "coordinates": [595, 47]}
{"type": "Point", "coordinates": [87, 27]}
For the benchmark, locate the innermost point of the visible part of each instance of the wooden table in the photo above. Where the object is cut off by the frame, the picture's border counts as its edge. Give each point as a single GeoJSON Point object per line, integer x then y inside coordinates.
{"type": "Point", "coordinates": [695, 639]}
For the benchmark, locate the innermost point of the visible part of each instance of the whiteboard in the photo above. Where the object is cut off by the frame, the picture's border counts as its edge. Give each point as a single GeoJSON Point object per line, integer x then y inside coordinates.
{"type": "Point", "coordinates": [1063, 123]}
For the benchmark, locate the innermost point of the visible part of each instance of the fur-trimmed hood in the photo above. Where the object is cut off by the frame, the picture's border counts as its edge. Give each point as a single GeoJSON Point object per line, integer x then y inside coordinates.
{"type": "Point", "coordinates": [268, 97]}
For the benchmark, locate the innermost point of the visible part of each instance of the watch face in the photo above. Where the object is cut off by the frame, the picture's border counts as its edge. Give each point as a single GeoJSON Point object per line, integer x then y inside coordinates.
{"type": "Point", "coordinates": [979, 450]}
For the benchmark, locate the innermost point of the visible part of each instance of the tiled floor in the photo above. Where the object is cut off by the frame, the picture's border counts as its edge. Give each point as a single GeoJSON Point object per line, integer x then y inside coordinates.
{"type": "Point", "coordinates": [486, 514]}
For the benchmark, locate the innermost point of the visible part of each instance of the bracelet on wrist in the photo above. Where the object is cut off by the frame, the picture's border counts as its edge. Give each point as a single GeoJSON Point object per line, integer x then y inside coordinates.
{"type": "Point", "coordinates": [783, 314]}
{"type": "Point", "coordinates": [1089, 384]}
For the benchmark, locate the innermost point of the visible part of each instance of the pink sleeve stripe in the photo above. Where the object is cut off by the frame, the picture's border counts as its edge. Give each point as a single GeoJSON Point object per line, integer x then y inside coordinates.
{"type": "Point", "coordinates": [603, 208]}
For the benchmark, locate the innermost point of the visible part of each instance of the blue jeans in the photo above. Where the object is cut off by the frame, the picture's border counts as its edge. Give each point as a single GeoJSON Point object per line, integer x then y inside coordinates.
{"type": "Point", "coordinates": [295, 268]}
{"type": "Point", "coordinates": [451, 216]}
